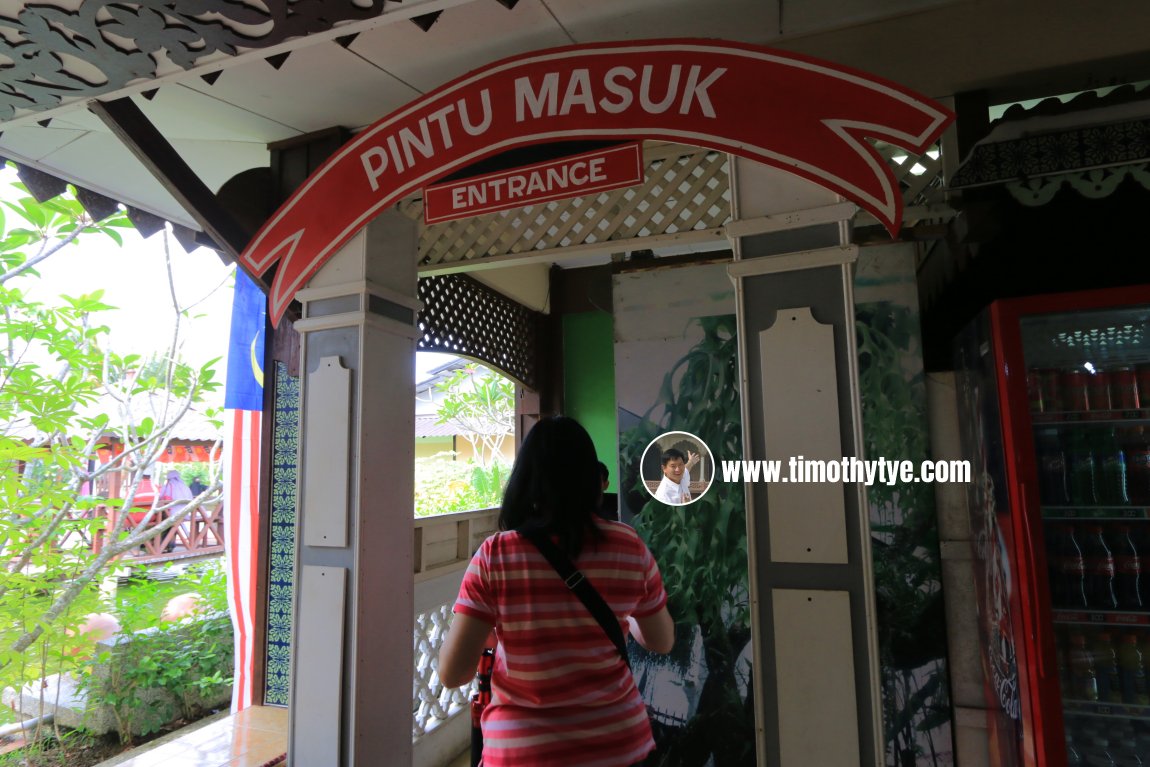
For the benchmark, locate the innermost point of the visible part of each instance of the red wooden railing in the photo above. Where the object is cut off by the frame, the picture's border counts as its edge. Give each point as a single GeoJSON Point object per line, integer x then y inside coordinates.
{"type": "Point", "coordinates": [200, 533]}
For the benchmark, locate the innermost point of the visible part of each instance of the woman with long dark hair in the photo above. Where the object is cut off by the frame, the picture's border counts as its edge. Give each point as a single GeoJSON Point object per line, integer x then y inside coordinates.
{"type": "Point", "coordinates": [562, 694]}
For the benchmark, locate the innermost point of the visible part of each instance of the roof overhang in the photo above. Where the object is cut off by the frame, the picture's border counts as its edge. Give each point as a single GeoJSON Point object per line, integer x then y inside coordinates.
{"type": "Point", "coordinates": [1072, 140]}
{"type": "Point", "coordinates": [194, 99]}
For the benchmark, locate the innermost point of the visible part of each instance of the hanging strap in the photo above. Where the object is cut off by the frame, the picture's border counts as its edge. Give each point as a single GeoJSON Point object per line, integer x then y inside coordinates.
{"type": "Point", "coordinates": [580, 587]}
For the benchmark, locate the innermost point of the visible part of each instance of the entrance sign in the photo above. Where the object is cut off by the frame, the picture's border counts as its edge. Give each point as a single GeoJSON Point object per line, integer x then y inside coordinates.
{"type": "Point", "coordinates": [805, 116]}
{"type": "Point", "coordinates": [573, 176]}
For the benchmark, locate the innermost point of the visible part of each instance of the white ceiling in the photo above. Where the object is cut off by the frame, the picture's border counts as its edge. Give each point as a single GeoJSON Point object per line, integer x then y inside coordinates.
{"type": "Point", "coordinates": [223, 128]}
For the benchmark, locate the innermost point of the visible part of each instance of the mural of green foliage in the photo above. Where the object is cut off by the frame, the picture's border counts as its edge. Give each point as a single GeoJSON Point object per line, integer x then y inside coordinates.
{"type": "Point", "coordinates": [904, 539]}
{"type": "Point", "coordinates": [702, 547]}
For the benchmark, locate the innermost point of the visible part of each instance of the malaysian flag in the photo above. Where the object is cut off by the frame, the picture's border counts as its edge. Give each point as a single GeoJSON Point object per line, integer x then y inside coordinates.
{"type": "Point", "coordinates": [243, 402]}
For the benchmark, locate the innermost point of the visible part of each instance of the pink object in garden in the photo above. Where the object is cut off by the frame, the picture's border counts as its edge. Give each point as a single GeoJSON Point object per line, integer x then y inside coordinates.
{"type": "Point", "coordinates": [180, 607]}
{"type": "Point", "coordinates": [98, 627]}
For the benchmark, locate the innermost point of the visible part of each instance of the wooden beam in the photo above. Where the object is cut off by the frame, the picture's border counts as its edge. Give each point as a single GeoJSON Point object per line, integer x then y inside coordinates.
{"type": "Point", "coordinates": [149, 146]}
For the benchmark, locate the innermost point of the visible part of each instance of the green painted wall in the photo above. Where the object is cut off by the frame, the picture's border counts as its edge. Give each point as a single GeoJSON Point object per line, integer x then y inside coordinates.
{"type": "Point", "coordinates": [589, 381]}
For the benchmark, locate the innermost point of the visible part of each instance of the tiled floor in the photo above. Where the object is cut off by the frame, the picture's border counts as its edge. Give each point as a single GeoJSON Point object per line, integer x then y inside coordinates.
{"type": "Point", "coordinates": [251, 738]}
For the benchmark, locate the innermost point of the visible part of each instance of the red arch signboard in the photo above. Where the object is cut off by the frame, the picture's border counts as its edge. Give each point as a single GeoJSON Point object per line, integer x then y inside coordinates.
{"type": "Point", "coordinates": [805, 116]}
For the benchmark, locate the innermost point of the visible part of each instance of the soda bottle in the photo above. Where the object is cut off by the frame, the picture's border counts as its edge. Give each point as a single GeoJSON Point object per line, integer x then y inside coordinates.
{"type": "Point", "coordinates": [1083, 675]}
{"type": "Point", "coordinates": [1075, 385]}
{"type": "Point", "coordinates": [1100, 754]}
{"type": "Point", "coordinates": [1034, 390]}
{"type": "Point", "coordinates": [1099, 570]}
{"type": "Point", "coordinates": [1138, 469]}
{"type": "Point", "coordinates": [1110, 469]}
{"type": "Point", "coordinates": [1132, 672]}
{"type": "Point", "coordinates": [1064, 677]}
{"type": "Point", "coordinates": [1098, 394]}
{"type": "Point", "coordinates": [1124, 392]}
{"type": "Point", "coordinates": [1081, 470]}
{"type": "Point", "coordinates": [1052, 479]}
{"type": "Point", "coordinates": [1055, 546]}
{"type": "Point", "coordinates": [1144, 648]}
{"type": "Point", "coordinates": [1050, 383]}
{"type": "Point", "coordinates": [1131, 756]}
{"type": "Point", "coordinates": [1143, 746]}
{"type": "Point", "coordinates": [1142, 382]}
{"type": "Point", "coordinates": [1106, 668]}
{"type": "Point", "coordinates": [1127, 569]}
{"type": "Point", "coordinates": [1087, 734]}
{"type": "Point", "coordinates": [1072, 566]}
{"type": "Point", "coordinates": [1073, 758]}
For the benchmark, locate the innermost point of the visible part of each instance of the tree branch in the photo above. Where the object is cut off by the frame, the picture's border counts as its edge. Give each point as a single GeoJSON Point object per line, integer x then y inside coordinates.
{"type": "Point", "coordinates": [46, 253]}
{"type": "Point", "coordinates": [97, 565]}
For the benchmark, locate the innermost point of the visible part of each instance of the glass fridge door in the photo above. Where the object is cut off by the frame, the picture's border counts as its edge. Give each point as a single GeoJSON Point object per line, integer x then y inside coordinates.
{"type": "Point", "coordinates": [1088, 384]}
{"type": "Point", "coordinates": [996, 574]}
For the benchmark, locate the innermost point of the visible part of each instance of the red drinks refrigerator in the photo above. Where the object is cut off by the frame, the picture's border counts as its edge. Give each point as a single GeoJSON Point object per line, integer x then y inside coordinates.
{"type": "Point", "coordinates": [1054, 402]}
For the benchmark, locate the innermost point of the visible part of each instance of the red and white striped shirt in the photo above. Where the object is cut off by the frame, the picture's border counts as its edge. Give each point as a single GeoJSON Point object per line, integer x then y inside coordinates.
{"type": "Point", "coordinates": [561, 695]}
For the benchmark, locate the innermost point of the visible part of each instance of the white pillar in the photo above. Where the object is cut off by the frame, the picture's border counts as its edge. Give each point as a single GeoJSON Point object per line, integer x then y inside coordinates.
{"type": "Point", "coordinates": [353, 664]}
{"type": "Point", "coordinates": [816, 666]}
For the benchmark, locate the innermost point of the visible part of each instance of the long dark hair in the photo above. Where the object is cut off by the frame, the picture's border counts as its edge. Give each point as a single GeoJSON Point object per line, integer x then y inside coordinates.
{"type": "Point", "coordinates": [555, 484]}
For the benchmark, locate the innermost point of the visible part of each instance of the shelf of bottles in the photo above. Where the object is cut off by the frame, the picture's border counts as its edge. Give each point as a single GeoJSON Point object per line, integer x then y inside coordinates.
{"type": "Point", "coordinates": [1088, 382]}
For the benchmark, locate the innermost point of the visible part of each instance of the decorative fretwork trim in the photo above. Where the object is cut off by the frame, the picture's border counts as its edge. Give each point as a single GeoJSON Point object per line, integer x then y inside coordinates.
{"type": "Point", "coordinates": [1093, 184]}
{"type": "Point", "coordinates": [1027, 158]}
{"type": "Point", "coordinates": [118, 43]}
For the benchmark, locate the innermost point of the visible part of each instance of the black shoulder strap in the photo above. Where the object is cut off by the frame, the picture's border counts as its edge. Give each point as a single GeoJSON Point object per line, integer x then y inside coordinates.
{"type": "Point", "coordinates": [580, 587]}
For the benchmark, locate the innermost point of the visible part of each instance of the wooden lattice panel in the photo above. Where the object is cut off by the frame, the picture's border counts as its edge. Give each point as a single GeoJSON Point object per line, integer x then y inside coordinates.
{"type": "Point", "coordinates": [685, 189]}
{"type": "Point", "coordinates": [919, 178]}
{"type": "Point", "coordinates": [463, 316]}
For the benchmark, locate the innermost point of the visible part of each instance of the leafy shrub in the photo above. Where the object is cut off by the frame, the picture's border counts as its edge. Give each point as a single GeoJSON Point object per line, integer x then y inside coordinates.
{"type": "Point", "coordinates": [157, 672]}
{"type": "Point", "coordinates": [59, 390]}
{"type": "Point", "coordinates": [58, 747]}
{"type": "Point", "coordinates": [443, 485]}
{"type": "Point", "coordinates": [196, 470]}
